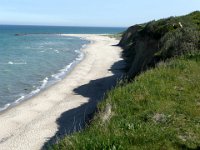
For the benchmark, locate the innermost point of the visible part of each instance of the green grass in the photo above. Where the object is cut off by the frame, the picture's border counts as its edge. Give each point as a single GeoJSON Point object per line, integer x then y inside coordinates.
{"type": "Point", "coordinates": [160, 109]}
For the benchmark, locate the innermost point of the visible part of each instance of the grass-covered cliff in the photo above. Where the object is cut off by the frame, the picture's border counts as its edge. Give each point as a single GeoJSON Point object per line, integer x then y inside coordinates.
{"type": "Point", "coordinates": [159, 108]}
{"type": "Point", "coordinates": [146, 44]}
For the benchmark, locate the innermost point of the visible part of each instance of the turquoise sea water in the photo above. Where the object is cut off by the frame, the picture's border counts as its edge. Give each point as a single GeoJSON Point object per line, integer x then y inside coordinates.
{"type": "Point", "coordinates": [35, 57]}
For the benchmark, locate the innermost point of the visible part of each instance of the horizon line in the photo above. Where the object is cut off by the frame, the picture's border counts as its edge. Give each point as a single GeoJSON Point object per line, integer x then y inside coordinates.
{"type": "Point", "coordinates": [62, 26]}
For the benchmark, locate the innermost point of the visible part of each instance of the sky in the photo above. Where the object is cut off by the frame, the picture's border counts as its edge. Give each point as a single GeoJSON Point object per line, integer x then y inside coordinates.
{"type": "Point", "coordinates": [105, 13]}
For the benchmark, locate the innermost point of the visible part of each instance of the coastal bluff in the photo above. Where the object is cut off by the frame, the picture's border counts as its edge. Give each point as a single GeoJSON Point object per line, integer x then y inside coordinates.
{"type": "Point", "coordinates": [147, 44]}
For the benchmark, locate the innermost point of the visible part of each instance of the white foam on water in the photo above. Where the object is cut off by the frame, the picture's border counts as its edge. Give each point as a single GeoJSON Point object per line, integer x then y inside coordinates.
{"type": "Point", "coordinates": [47, 81]}
{"type": "Point", "coordinates": [19, 99]}
{"type": "Point", "coordinates": [16, 63]}
{"type": "Point", "coordinates": [62, 72]}
{"type": "Point", "coordinates": [5, 107]}
{"type": "Point", "coordinates": [10, 63]}
{"type": "Point", "coordinates": [44, 83]}
{"type": "Point", "coordinates": [57, 51]}
{"type": "Point", "coordinates": [26, 96]}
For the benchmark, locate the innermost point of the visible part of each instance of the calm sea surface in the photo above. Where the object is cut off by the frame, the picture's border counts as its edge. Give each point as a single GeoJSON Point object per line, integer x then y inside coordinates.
{"type": "Point", "coordinates": [35, 57]}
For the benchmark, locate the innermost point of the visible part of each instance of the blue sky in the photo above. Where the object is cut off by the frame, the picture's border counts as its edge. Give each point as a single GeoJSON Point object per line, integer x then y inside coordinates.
{"type": "Point", "coordinates": [121, 13]}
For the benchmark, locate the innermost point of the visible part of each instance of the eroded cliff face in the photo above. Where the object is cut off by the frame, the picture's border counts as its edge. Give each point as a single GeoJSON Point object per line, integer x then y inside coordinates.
{"type": "Point", "coordinates": [146, 44]}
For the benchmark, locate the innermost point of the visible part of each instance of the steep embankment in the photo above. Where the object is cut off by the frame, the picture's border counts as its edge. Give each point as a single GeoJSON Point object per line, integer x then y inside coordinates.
{"type": "Point", "coordinates": [146, 44]}
{"type": "Point", "coordinates": [160, 109]}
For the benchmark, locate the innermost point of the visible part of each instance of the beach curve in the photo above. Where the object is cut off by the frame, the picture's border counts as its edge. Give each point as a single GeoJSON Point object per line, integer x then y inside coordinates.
{"type": "Point", "coordinates": [34, 122]}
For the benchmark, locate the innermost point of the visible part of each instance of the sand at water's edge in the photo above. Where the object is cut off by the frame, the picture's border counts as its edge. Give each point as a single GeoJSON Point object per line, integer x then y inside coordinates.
{"type": "Point", "coordinates": [29, 125]}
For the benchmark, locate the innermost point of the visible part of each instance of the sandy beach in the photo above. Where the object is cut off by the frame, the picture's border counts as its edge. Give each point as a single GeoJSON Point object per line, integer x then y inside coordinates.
{"type": "Point", "coordinates": [63, 107]}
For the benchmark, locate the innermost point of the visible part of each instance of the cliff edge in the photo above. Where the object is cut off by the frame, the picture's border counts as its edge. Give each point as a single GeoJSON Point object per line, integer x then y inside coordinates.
{"type": "Point", "coordinates": [147, 44]}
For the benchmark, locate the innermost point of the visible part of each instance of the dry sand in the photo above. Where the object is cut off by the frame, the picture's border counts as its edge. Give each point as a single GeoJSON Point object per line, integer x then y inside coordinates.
{"type": "Point", "coordinates": [63, 107]}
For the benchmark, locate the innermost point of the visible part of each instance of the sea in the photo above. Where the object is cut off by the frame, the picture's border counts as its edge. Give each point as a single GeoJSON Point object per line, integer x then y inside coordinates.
{"type": "Point", "coordinates": [33, 58]}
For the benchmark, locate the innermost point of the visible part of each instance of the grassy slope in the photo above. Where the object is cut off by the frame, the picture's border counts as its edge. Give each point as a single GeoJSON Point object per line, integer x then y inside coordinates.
{"type": "Point", "coordinates": [159, 110]}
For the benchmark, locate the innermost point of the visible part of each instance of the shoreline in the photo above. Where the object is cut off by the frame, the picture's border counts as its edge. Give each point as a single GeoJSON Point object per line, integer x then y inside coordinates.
{"type": "Point", "coordinates": [46, 83]}
{"type": "Point", "coordinates": [33, 122]}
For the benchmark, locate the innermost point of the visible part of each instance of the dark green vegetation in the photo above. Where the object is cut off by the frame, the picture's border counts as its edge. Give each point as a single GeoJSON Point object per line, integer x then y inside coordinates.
{"type": "Point", "coordinates": [145, 45]}
{"type": "Point", "coordinates": [160, 108]}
